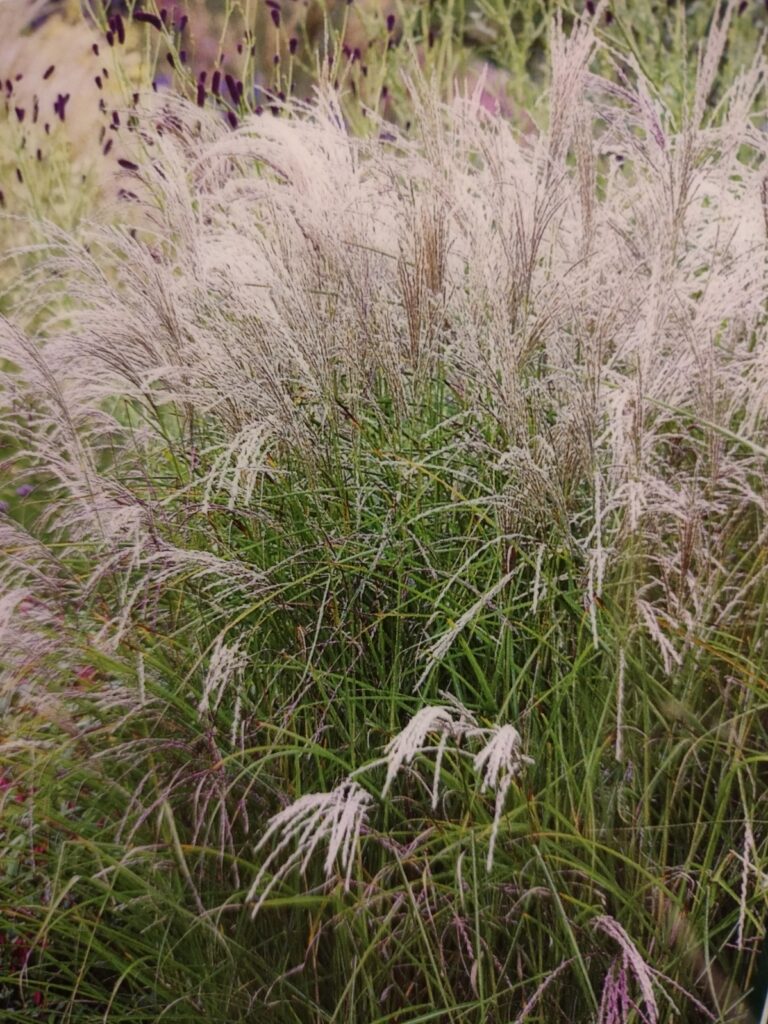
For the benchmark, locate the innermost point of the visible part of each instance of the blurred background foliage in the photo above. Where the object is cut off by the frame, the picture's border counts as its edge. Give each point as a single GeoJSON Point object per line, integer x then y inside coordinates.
{"type": "Point", "coordinates": [72, 72]}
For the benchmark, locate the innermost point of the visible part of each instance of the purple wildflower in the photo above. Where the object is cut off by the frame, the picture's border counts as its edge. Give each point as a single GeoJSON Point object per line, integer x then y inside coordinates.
{"type": "Point", "coordinates": [59, 107]}
{"type": "Point", "coordinates": [149, 19]}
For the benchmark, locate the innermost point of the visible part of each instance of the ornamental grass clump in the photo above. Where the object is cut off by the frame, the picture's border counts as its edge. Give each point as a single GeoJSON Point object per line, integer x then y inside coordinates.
{"type": "Point", "coordinates": [382, 635]}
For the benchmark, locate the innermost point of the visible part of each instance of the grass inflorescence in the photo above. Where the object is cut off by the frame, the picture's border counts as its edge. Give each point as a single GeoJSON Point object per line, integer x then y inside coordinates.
{"type": "Point", "coordinates": [383, 593]}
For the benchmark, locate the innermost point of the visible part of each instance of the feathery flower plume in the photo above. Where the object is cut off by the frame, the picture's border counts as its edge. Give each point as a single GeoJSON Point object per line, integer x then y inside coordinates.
{"type": "Point", "coordinates": [615, 1000]}
{"type": "Point", "coordinates": [500, 761]}
{"type": "Point", "coordinates": [445, 721]}
{"type": "Point", "coordinates": [226, 665]}
{"type": "Point", "coordinates": [335, 818]}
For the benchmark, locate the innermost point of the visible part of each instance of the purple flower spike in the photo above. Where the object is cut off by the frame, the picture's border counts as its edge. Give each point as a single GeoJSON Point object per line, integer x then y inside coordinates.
{"type": "Point", "coordinates": [148, 19]}
{"type": "Point", "coordinates": [59, 106]}
{"type": "Point", "coordinates": [25, 490]}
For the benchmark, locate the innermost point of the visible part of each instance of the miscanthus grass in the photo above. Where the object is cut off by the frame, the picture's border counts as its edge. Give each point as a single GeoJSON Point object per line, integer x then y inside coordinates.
{"type": "Point", "coordinates": [383, 636]}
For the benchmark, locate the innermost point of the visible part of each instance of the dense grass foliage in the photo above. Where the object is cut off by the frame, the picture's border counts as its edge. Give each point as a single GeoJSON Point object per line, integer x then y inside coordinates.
{"type": "Point", "coordinates": [383, 593]}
